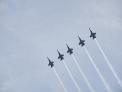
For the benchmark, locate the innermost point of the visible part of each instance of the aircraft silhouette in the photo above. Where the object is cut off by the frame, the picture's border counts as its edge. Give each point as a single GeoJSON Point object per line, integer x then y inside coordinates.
{"type": "Point", "coordinates": [92, 35]}
{"type": "Point", "coordinates": [51, 63]}
{"type": "Point", "coordinates": [82, 42]}
{"type": "Point", "coordinates": [70, 50]}
{"type": "Point", "coordinates": [61, 56]}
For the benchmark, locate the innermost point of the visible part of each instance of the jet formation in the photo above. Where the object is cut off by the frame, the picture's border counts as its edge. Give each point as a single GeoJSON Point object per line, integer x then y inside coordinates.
{"type": "Point", "coordinates": [70, 50]}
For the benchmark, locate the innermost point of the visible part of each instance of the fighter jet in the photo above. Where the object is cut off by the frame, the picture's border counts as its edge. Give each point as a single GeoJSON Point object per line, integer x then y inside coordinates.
{"type": "Point", "coordinates": [61, 56]}
{"type": "Point", "coordinates": [82, 42]}
{"type": "Point", "coordinates": [51, 63]}
{"type": "Point", "coordinates": [92, 35]}
{"type": "Point", "coordinates": [70, 50]}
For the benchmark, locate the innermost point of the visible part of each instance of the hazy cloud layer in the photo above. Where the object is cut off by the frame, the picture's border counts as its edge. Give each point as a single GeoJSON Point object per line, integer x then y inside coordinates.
{"type": "Point", "coordinates": [31, 30]}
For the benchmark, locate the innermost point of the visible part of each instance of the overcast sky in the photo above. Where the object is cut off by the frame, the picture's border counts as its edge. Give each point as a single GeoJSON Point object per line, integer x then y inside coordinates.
{"type": "Point", "coordinates": [31, 30]}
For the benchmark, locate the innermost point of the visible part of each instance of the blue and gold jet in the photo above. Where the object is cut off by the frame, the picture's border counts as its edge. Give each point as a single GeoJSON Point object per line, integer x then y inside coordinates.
{"type": "Point", "coordinates": [92, 35]}
{"type": "Point", "coordinates": [61, 56]}
{"type": "Point", "coordinates": [70, 50]}
{"type": "Point", "coordinates": [82, 42]}
{"type": "Point", "coordinates": [51, 63]}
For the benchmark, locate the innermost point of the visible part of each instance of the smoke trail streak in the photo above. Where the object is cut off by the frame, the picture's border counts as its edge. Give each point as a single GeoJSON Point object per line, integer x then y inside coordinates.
{"type": "Point", "coordinates": [71, 76]}
{"type": "Point", "coordinates": [109, 64]}
{"type": "Point", "coordinates": [83, 74]}
{"type": "Point", "coordinates": [98, 71]}
{"type": "Point", "coordinates": [59, 80]}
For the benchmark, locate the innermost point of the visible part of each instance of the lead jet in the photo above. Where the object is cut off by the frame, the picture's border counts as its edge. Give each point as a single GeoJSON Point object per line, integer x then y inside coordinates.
{"type": "Point", "coordinates": [92, 35]}
{"type": "Point", "coordinates": [51, 63]}
{"type": "Point", "coordinates": [61, 56]}
{"type": "Point", "coordinates": [70, 50]}
{"type": "Point", "coordinates": [82, 42]}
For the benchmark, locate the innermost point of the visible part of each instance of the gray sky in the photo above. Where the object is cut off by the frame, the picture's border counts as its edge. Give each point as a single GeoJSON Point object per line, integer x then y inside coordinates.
{"type": "Point", "coordinates": [31, 30]}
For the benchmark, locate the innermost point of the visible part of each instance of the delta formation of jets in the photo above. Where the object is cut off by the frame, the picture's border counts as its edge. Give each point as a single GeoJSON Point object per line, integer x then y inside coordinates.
{"type": "Point", "coordinates": [70, 50]}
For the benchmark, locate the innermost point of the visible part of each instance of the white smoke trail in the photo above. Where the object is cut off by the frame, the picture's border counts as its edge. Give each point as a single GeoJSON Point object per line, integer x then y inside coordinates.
{"type": "Point", "coordinates": [59, 80]}
{"type": "Point", "coordinates": [83, 74]}
{"type": "Point", "coordinates": [109, 64]}
{"type": "Point", "coordinates": [71, 76]}
{"type": "Point", "coordinates": [98, 71]}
